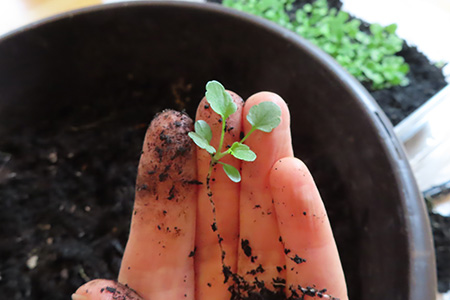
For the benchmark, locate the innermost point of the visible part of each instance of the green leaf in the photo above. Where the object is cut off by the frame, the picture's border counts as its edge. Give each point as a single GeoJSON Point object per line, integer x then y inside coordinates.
{"type": "Point", "coordinates": [202, 129]}
{"type": "Point", "coordinates": [391, 28]}
{"type": "Point", "coordinates": [242, 152]}
{"type": "Point", "coordinates": [376, 28]}
{"type": "Point", "coordinates": [307, 8]}
{"type": "Point", "coordinates": [201, 142]}
{"type": "Point", "coordinates": [220, 101]}
{"type": "Point", "coordinates": [232, 172]}
{"type": "Point", "coordinates": [376, 55]}
{"type": "Point", "coordinates": [264, 116]}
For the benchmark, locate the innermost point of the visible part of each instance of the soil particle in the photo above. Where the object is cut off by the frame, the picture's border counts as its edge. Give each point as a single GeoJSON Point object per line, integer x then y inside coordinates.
{"type": "Point", "coordinates": [259, 269]}
{"type": "Point", "coordinates": [164, 137]}
{"type": "Point", "coordinates": [160, 153]}
{"type": "Point", "coordinates": [163, 177]}
{"type": "Point", "coordinates": [226, 270]}
{"type": "Point", "coordinates": [297, 259]}
{"type": "Point", "coordinates": [245, 245]}
{"type": "Point", "coordinates": [194, 182]}
{"type": "Point", "coordinates": [171, 193]}
{"type": "Point", "coordinates": [192, 253]}
{"type": "Point", "coordinates": [179, 152]}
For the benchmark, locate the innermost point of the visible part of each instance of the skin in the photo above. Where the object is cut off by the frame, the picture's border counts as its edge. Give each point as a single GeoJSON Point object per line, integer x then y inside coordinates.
{"type": "Point", "coordinates": [225, 195]}
{"type": "Point", "coordinates": [275, 191]}
{"type": "Point", "coordinates": [305, 229]}
{"type": "Point", "coordinates": [105, 290]}
{"type": "Point", "coordinates": [157, 261]}
{"type": "Point", "coordinates": [256, 209]}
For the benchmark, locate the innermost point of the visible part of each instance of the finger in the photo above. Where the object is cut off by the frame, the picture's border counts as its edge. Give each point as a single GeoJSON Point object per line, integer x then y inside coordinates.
{"type": "Point", "coordinates": [158, 260]}
{"type": "Point", "coordinates": [102, 289]}
{"type": "Point", "coordinates": [312, 259]}
{"type": "Point", "coordinates": [258, 225]}
{"type": "Point", "coordinates": [225, 197]}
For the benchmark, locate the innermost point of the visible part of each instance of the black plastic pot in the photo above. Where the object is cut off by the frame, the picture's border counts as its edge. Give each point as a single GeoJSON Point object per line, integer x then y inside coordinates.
{"type": "Point", "coordinates": [131, 60]}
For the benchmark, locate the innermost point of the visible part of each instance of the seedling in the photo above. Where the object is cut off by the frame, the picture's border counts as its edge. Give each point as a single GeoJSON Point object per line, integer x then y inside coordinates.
{"type": "Point", "coordinates": [370, 57]}
{"type": "Point", "coordinates": [264, 117]}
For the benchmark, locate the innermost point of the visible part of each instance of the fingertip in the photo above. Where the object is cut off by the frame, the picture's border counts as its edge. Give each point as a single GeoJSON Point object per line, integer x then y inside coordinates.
{"type": "Point", "coordinates": [259, 97]}
{"type": "Point", "coordinates": [265, 96]}
{"type": "Point", "coordinates": [103, 289]}
{"type": "Point", "coordinates": [283, 170]}
{"type": "Point", "coordinates": [305, 228]}
{"type": "Point", "coordinates": [279, 138]}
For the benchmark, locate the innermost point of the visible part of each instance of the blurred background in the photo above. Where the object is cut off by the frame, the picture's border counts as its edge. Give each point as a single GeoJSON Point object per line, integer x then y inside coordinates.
{"type": "Point", "coordinates": [425, 133]}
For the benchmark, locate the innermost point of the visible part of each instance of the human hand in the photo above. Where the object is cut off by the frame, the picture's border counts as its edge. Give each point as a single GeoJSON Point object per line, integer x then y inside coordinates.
{"type": "Point", "coordinates": [198, 238]}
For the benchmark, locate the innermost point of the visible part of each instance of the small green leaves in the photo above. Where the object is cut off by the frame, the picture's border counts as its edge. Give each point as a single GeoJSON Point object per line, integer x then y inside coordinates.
{"type": "Point", "coordinates": [242, 152]}
{"type": "Point", "coordinates": [232, 172]}
{"type": "Point", "coordinates": [202, 129]}
{"type": "Point", "coordinates": [364, 54]}
{"type": "Point", "coordinates": [201, 142]}
{"type": "Point", "coordinates": [219, 99]}
{"type": "Point", "coordinates": [202, 136]}
{"type": "Point", "coordinates": [264, 116]}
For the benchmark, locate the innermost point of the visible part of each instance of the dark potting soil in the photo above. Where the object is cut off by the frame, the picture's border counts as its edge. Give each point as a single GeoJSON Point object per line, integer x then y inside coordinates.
{"type": "Point", "coordinates": [425, 81]}
{"type": "Point", "coordinates": [441, 234]}
{"type": "Point", "coordinates": [399, 102]}
{"type": "Point", "coordinates": [54, 235]}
